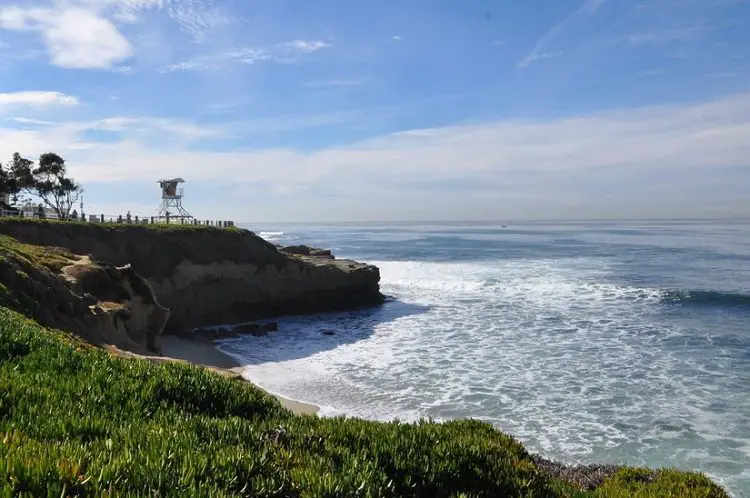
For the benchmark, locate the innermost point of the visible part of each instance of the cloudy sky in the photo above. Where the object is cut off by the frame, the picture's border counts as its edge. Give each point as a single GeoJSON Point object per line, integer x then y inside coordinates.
{"type": "Point", "coordinates": [336, 110]}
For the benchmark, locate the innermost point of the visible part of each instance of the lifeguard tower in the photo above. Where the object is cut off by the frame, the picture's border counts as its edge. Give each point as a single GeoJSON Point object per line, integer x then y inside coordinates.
{"type": "Point", "coordinates": [171, 201]}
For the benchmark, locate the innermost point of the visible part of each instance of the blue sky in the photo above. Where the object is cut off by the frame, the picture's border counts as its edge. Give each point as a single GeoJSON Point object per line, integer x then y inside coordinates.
{"type": "Point", "coordinates": [293, 110]}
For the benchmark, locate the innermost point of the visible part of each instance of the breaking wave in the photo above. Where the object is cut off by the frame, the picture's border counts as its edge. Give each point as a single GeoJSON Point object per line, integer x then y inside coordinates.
{"type": "Point", "coordinates": [271, 236]}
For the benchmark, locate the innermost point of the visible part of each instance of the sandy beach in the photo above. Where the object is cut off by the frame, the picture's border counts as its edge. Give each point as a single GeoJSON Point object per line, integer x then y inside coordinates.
{"type": "Point", "coordinates": [204, 353]}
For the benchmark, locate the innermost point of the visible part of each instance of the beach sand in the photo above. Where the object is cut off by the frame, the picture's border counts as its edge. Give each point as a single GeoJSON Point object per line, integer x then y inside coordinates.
{"type": "Point", "coordinates": [205, 353]}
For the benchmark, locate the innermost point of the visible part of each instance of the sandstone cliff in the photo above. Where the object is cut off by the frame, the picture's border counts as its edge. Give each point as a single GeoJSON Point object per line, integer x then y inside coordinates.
{"type": "Point", "coordinates": [210, 276]}
{"type": "Point", "coordinates": [103, 304]}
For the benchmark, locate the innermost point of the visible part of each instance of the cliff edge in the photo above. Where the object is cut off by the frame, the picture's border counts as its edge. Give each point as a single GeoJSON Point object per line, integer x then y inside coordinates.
{"type": "Point", "coordinates": [209, 276]}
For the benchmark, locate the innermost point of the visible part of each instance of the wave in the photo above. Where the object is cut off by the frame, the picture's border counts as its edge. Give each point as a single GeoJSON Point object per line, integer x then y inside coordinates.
{"type": "Point", "coordinates": [271, 236]}
{"type": "Point", "coordinates": [706, 298]}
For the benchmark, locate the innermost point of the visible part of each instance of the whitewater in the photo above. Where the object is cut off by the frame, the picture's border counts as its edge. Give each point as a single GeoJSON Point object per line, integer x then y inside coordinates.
{"type": "Point", "coordinates": [620, 343]}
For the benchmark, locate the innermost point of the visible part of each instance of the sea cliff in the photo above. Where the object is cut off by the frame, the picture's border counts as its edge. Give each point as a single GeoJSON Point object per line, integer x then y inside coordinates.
{"type": "Point", "coordinates": [208, 276]}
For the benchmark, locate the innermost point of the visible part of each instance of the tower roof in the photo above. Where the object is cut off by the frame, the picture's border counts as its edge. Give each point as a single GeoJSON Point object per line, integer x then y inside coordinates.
{"type": "Point", "coordinates": [171, 180]}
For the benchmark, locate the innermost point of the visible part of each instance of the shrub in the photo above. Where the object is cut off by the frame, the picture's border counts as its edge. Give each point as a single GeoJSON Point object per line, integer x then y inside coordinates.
{"type": "Point", "coordinates": [78, 421]}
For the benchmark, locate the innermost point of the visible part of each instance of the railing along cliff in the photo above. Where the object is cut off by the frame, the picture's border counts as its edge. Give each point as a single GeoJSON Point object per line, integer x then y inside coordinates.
{"type": "Point", "coordinates": [126, 219]}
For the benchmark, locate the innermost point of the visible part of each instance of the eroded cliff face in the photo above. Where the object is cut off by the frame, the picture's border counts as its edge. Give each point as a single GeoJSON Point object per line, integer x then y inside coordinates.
{"type": "Point", "coordinates": [126, 306]}
{"type": "Point", "coordinates": [104, 304]}
{"type": "Point", "coordinates": [214, 276]}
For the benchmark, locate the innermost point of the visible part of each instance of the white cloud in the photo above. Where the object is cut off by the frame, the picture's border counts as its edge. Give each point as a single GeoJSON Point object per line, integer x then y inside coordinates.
{"type": "Point", "coordinates": [37, 98]}
{"type": "Point", "coordinates": [83, 34]}
{"type": "Point", "coordinates": [80, 39]}
{"type": "Point", "coordinates": [74, 37]}
{"type": "Point", "coordinates": [695, 135]}
{"type": "Point", "coordinates": [303, 46]}
{"type": "Point", "coordinates": [539, 164]}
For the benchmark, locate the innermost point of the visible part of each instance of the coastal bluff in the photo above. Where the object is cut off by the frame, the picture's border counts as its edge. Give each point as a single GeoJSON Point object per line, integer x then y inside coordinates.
{"type": "Point", "coordinates": [210, 276]}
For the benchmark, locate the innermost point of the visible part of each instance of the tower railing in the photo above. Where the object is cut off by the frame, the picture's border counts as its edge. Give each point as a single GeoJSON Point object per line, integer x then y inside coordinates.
{"type": "Point", "coordinates": [179, 194]}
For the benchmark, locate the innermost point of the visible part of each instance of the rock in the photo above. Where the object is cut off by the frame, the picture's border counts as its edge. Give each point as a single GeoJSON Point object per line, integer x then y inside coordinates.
{"type": "Point", "coordinates": [322, 253]}
{"type": "Point", "coordinates": [216, 276]}
{"type": "Point", "coordinates": [586, 477]}
{"type": "Point", "coordinates": [271, 326]}
{"type": "Point", "coordinates": [249, 328]}
{"type": "Point", "coordinates": [89, 299]}
{"type": "Point", "coordinates": [100, 303]}
{"type": "Point", "coordinates": [329, 332]}
{"type": "Point", "coordinates": [302, 250]}
{"type": "Point", "coordinates": [256, 329]}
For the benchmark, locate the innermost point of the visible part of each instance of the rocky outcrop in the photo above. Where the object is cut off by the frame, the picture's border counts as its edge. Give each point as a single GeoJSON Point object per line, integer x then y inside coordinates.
{"type": "Point", "coordinates": [103, 304]}
{"type": "Point", "coordinates": [217, 333]}
{"type": "Point", "coordinates": [208, 276]}
{"type": "Point", "coordinates": [123, 295]}
{"type": "Point", "coordinates": [303, 250]}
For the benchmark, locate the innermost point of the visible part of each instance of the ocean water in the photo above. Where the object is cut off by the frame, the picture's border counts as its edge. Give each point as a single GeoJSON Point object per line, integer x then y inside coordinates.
{"type": "Point", "coordinates": [590, 342]}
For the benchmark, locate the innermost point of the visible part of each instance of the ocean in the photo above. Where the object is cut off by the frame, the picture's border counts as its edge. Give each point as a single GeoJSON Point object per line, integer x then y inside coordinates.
{"type": "Point", "coordinates": [590, 342]}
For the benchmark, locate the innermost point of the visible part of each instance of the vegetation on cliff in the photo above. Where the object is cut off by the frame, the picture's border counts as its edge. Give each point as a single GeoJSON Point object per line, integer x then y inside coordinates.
{"type": "Point", "coordinates": [20, 264]}
{"type": "Point", "coordinates": [77, 421]}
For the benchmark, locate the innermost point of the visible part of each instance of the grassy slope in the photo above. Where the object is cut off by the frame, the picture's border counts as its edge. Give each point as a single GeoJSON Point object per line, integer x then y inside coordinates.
{"type": "Point", "coordinates": [24, 259]}
{"type": "Point", "coordinates": [76, 421]}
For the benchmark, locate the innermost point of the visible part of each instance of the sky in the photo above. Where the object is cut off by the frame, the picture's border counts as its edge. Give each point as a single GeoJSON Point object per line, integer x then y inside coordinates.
{"type": "Point", "coordinates": [388, 110]}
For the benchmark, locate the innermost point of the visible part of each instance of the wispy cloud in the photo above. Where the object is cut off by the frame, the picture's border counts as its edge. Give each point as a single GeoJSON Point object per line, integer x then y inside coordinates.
{"type": "Point", "coordinates": [37, 98]}
{"type": "Point", "coordinates": [190, 66]}
{"type": "Point", "coordinates": [197, 17]}
{"type": "Point", "coordinates": [698, 135]}
{"type": "Point", "coordinates": [303, 46]}
{"type": "Point", "coordinates": [539, 56]}
{"type": "Point", "coordinates": [587, 9]}
{"type": "Point", "coordinates": [290, 51]}
{"type": "Point", "coordinates": [665, 37]}
{"type": "Point", "coordinates": [520, 160]}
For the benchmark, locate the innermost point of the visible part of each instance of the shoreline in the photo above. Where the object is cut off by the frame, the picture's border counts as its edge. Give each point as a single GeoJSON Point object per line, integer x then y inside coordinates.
{"type": "Point", "coordinates": [206, 354]}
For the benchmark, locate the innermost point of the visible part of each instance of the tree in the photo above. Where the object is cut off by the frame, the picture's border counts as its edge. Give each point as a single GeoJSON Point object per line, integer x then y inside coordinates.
{"type": "Point", "coordinates": [8, 183]}
{"type": "Point", "coordinates": [48, 182]}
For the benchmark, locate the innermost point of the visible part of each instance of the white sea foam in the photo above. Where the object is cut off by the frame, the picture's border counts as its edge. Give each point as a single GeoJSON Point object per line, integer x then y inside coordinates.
{"type": "Point", "coordinates": [271, 236]}
{"type": "Point", "coordinates": [577, 368]}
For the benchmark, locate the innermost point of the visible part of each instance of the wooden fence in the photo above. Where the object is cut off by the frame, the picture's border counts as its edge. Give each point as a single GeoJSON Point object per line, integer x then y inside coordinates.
{"type": "Point", "coordinates": [128, 219]}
